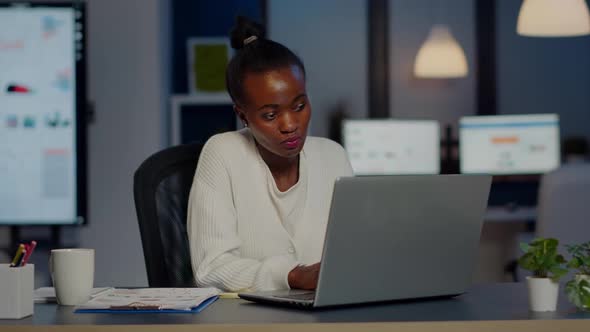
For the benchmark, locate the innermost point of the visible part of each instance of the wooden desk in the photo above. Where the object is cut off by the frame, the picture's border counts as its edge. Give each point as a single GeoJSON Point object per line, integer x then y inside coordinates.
{"type": "Point", "coordinates": [495, 307]}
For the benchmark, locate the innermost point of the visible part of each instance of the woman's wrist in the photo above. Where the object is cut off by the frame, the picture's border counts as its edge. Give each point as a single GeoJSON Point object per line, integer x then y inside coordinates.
{"type": "Point", "coordinates": [293, 277]}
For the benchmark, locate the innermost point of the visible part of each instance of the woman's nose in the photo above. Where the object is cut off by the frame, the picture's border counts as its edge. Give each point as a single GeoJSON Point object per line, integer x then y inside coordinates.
{"type": "Point", "coordinates": [288, 122]}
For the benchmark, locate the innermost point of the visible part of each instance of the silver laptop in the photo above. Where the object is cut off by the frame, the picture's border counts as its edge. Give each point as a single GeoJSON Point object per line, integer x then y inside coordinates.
{"type": "Point", "coordinates": [396, 238]}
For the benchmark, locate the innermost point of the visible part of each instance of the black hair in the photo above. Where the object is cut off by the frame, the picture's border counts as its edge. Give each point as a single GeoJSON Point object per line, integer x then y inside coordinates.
{"type": "Point", "coordinates": [254, 54]}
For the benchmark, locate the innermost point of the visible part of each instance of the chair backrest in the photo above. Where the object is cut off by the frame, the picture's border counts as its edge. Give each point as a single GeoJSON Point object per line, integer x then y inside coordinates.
{"type": "Point", "coordinates": [564, 209]}
{"type": "Point", "coordinates": [161, 187]}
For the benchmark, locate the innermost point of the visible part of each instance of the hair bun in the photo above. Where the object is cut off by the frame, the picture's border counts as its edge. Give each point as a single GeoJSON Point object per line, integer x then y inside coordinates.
{"type": "Point", "coordinates": [244, 29]}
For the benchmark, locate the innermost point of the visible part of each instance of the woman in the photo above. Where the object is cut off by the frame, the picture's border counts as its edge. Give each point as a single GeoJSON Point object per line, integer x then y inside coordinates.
{"type": "Point", "coordinates": [260, 197]}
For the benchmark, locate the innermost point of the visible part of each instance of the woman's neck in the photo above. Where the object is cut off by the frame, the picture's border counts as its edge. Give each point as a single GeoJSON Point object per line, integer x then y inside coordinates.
{"type": "Point", "coordinates": [277, 164]}
{"type": "Point", "coordinates": [285, 171]}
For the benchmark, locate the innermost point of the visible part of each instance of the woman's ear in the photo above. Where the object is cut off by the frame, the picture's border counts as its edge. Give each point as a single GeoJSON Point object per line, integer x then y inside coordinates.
{"type": "Point", "coordinates": [241, 115]}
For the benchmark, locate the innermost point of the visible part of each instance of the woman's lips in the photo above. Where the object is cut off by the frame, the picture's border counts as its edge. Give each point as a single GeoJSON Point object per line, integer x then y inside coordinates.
{"type": "Point", "coordinates": [292, 143]}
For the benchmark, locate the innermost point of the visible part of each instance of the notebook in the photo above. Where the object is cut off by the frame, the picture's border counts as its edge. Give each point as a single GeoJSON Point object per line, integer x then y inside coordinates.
{"type": "Point", "coordinates": [151, 300]}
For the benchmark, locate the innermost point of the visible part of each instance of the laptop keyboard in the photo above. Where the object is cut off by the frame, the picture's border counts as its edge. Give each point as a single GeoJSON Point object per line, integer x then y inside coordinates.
{"type": "Point", "coordinates": [301, 297]}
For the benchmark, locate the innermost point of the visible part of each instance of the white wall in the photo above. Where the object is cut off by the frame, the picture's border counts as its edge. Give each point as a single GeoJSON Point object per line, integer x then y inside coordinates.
{"type": "Point", "coordinates": [542, 75]}
{"type": "Point", "coordinates": [331, 38]}
{"type": "Point", "coordinates": [126, 82]}
{"type": "Point", "coordinates": [412, 98]}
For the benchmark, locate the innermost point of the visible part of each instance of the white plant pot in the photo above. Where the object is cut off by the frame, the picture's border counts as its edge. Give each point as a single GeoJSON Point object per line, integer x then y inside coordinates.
{"type": "Point", "coordinates": [543, 293]}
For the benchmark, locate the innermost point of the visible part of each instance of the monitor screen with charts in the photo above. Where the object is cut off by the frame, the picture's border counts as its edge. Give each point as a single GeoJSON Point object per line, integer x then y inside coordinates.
{"type": "Point", "coordinates": [387, 147]}
{"type": "Point", "coordinates": [42, 108]}
{"type": "Point", "coordinates": [509, 144]}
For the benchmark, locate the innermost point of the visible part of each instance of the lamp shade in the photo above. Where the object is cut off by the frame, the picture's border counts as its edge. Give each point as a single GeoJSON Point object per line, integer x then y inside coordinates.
{"type": "Point", "coordinates": [553, 18]}
{"type": "Point", "coordinates": [440, 56]}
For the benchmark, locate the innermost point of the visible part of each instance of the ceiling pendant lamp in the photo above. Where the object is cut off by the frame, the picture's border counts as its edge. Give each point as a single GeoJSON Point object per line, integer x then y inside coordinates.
{"type": "Point", "coordinates": [553, 18]}
{"type": "Point", "coordinates": [440, 56]}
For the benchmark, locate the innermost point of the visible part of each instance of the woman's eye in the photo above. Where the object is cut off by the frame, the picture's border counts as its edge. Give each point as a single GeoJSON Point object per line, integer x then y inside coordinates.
{"type": "Point", "coordinates": [300, 107]}
{"type": "Point", "coordinates": [269, 116]}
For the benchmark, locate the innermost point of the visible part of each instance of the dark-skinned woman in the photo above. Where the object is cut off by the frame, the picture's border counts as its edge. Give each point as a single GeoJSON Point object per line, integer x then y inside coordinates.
{"type": "Point", "coordinates": [260, 197]}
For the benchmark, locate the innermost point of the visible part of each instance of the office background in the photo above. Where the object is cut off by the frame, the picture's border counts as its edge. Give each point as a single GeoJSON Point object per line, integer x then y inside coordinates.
{"type": "Point", "coordinates": [136, 61]}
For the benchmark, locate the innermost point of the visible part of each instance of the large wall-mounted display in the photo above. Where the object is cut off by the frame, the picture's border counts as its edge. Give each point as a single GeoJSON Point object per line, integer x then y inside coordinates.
{"type": "Point", "coordinates": [42, 106]}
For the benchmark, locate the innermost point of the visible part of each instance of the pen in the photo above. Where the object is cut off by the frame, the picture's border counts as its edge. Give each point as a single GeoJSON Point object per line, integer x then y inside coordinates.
{"type": "Point", "coordinates": [22, 257]}
{"type": "Point", "coordinates": [30, 249]}
{"type": "Point", "coordinates": [19, 252]}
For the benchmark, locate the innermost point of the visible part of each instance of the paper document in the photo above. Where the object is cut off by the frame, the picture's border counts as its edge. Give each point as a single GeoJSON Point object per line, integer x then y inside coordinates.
{"type": "Point", "coordinates": [150, 299]}
{"type": "Point", "coordinates": [47, 294]}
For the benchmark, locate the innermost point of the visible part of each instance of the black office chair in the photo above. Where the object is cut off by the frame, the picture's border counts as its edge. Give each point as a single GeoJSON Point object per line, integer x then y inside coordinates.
{"type": "Point", "coordinates": [161, 187]}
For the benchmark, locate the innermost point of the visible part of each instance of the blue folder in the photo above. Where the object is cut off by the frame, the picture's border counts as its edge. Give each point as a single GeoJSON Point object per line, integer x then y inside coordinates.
{"type": "Point", "coordinates": [194, 310]}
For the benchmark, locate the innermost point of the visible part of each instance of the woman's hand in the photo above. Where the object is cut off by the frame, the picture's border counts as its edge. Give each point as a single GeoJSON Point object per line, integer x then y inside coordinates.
{"type": "Point", "coordinates": [304, 277]}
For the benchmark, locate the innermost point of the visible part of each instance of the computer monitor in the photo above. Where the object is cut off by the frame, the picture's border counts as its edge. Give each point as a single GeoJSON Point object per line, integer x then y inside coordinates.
{"type": "Point", "coordinates": [382, 147]}
{"type": "Point", "coordinates": [509, 144]}
{"type": "Point", "coordinates": [42, 113]}
{"type": "Point", "coordinates": [195, 118]}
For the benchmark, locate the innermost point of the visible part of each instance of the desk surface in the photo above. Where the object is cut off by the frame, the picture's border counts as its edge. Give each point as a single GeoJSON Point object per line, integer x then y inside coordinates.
{"type": "Point", "coordinates": [495, 302]}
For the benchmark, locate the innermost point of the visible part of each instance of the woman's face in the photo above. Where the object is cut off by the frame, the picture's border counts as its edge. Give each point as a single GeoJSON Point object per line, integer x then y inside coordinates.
{"type": "Point", "coordinates": [276, 110]}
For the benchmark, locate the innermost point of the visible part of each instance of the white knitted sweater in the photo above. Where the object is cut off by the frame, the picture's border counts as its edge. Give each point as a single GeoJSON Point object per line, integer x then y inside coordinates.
{"type": "Point", "coordinates": [244, 233]}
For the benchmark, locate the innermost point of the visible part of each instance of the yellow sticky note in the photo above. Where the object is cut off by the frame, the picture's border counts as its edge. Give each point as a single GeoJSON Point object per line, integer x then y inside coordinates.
{"type": "Point", "coordinates": [229, 296]}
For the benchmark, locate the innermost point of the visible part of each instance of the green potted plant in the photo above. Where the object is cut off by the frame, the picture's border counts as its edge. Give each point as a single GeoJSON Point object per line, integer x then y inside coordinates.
{"type": "Point", "coordinates": [578, 289]}
{"type": "Point", "coordinates": [547, 265]}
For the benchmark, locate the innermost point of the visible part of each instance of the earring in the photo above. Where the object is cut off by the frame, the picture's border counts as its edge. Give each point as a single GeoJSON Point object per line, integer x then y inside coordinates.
{"type": "Point", "coordinates": [245, 124]}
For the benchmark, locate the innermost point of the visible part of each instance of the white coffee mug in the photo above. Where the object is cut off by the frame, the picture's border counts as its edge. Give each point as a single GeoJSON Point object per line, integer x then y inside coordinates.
{"type": "Point", "coordinates": [72, 272]}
